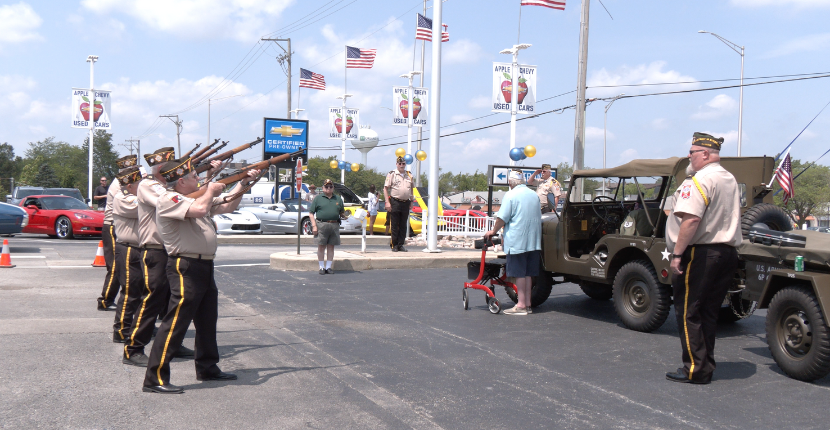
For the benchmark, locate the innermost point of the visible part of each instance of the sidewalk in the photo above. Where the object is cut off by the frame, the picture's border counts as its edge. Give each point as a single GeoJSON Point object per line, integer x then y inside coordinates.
{"type": "Point", "coordinates": [291, 239]}
{"type": "Point", "coordinates": [374, 259]}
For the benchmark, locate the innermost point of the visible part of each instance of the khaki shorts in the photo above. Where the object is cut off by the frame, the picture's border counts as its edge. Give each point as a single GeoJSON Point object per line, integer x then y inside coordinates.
{"type": "Point", "coordinates": [327, 233]}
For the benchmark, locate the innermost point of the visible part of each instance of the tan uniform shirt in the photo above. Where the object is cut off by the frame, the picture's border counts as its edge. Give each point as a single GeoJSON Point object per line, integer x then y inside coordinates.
{"type": "Point", "coordinates": [400, 185]}
{"type": "Point", "coordinates": [550, 186]}
{"type": "Point", "coordinates": [149, 191]}
{"type": "Point", "coordinates": [715, 198]}
{"type": "Point", "coordinates": [125, 217]}
{"type": "Point", "coordinates": [182, 234]}
{"type": "Point", "coordinates": [115, 188]}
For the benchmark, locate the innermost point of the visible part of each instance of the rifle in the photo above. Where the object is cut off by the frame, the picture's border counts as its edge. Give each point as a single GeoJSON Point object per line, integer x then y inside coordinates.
{"type": "Point", "coordinates": [208, 153]}
{"type": "Point", "coordinates": [242, 173]}
{"type": "Point", "coordinates": [187, 154]}
{"type": "Point", "coordinates": [205, 165]}
{"type": "Point", "coordinates": [205, 149]}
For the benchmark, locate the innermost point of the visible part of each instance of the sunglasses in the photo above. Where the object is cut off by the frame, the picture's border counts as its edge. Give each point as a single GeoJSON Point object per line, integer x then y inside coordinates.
{"type": "Point", "coordinates": [697, 150]}
{"type": "Point", "coordinates": [401, 164]}
{"type": "Point", "coordinates": [328, 186]}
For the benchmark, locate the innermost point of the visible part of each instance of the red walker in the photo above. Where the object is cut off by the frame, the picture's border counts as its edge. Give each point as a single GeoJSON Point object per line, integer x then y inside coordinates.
{"type": "Point", "coordinates": [493, 271]}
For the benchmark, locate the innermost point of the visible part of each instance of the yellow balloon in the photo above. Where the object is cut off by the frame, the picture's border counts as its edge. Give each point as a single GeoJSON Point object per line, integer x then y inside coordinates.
{"type": "Point", "coordinates": [530, 150]}
{"type": "Point", "coordinates": [333, 164]}
{"type": "Point", "coordinates": [421, 155]}
{"type": "Point", "coordinates": [355, 167]}
{"type": "Point", "coordinates": [400, 152]}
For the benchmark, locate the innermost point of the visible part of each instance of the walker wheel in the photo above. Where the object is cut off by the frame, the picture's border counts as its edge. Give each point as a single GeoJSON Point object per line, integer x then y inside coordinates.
{"type": "Point", "coordinates": [493, 305]}
{"type": "Point", "coordinates": [465, 298]}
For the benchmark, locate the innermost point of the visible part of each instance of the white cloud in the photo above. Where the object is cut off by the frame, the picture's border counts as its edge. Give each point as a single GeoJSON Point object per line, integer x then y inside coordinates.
{"type": "Point", "coordinates": [652, 73]}
{"type": "Point", "coordinates": [18, 23]}
{"type": "Point", "coordinates": [480, 102]}
{"type": "Point", "coordinates": [717, 107]}
{"type": "Point", "coordinates": [628, 155]}
{"type": "Point", "coordinates": [109, 29]}
{"type": "Point", "coordinates": [243, 20]}
{"type": "Point", "coordinates": [660, 123]}
{"type": "Point", "coordinates": [597, 134]}
{"type": "Point", "coordinates": [812, 43]}
{"type": "Point", "coordinates": [461, 52]}
{"type": "Point", "coordinates": [800, 4]}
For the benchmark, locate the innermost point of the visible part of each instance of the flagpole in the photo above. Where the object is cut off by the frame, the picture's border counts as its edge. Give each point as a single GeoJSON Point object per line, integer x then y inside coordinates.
{"type": "Point", "coordinates": [420, 129]}
{"type": "Point", "coordinates": [434, 131]}
{"type": "Point", "coordinates": [519, 36]}
{"type": "Point", "coordinates": [344, 121]}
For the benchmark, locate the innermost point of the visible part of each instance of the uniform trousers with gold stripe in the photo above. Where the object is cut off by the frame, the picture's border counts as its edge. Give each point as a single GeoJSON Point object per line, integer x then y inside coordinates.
{"type": "Point", "coordinates": [153, 299]}
{"type": "Point", "coordinates": [111, 282]}
{"type": "Point", "coordinates": [399, 216]}
{"type": "Point", "coordinates": [193, 298]}
{"type": "Point", "coordinates": [132, 285]}
{"type": "Point", "coordinates": [708, 272]}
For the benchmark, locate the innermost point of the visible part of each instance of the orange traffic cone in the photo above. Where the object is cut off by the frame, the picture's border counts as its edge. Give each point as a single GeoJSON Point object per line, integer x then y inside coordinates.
{"type": "Point", "coordinates": [6, 257]}
{"type": "Point", "coordinates": [99, 256]}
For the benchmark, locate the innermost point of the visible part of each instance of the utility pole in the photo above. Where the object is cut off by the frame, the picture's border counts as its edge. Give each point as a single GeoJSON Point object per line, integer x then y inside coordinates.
{"type": "Point", "coordinates": [285, 61]}
{"type": "Point", "coordinates": [137, 146]}
{"type": "Point", "coordinates": [579, 132]}
{"type": "Point", "coordinates": [178, 129]}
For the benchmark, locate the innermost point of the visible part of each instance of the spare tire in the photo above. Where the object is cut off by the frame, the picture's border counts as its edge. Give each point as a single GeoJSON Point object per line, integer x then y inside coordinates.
{"type": "Point", "coordinates": [773, 217]}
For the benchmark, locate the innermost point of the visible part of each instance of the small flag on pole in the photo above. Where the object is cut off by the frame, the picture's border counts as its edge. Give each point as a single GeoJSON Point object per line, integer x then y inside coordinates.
{"type": "Point", "coordinates": [309, 79]}
{"type": "Point", "coordinates": [553, 4]}
{"type": "Point", "coordinates": [357, 58]}
{"type": "Point", "coordinates": [785, 178]}
{"type": "Point", "coordinates": [423, 30]}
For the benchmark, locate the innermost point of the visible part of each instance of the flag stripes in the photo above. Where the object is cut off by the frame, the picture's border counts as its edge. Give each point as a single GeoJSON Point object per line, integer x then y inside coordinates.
{"type": "Point", "coordinates": [357, 58]}
{"type": "Point", "coordinates": [785, 178]}
{"type": "Point", "coordinates": [553, 4]}
{"type": "Point", "coordinates": [423, 30]}
{"type": "Point", "coordinates": [309, 79]}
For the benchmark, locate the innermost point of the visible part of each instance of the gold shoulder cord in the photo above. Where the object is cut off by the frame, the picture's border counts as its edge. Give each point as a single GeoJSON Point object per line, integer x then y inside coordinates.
{"type": "Point", "coordinates": [700, 189]}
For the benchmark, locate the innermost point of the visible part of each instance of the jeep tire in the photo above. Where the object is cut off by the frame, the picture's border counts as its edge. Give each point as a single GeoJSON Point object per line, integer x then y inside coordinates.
{"type": "Point", "coordinates": [596, 290]}
{"type": "Point", "coordinates": [797, 334]}
{"type": "Point", "coordinates": [539, 290]}
{"type": "Point", "coordinates": [768, 214]}
{"type": "Point", "coordinates": [641, 301]}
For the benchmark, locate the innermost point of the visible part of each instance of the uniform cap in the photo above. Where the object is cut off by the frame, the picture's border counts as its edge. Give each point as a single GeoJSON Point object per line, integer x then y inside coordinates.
{"type": "Point", "coordinates": [126, 161]}
{"type": "Point", "coordinates": [176, 169]}
{"type": "Point", "coordinates": [515, 174]}
{"type": "Point", "coordinates": [400, 160]}
{"type": "Point", "coordinates": [545, 166]}
{"type": "Point", "coordinates": [129, 175]}
{"type": "Point", "coordinates": [162, 155]}
{"type": "Point", "coordinates": [707, 141]}
{"type": "Point", "coordinates": [328, 182]}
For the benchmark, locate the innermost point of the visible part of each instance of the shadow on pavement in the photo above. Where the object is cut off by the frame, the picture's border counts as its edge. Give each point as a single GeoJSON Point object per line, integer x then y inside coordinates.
{"type": "Point", "coordinates": [729, 370]}
{"type": "Point", "coordinates": [256, 376]}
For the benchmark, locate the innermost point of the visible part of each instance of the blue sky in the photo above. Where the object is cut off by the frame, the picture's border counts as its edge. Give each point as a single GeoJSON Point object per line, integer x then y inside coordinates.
{"type": "Point", "coordinates": [159, 57]}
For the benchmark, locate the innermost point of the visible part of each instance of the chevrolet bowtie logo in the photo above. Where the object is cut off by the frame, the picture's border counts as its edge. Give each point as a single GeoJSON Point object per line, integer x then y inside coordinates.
{"type": "Point", "coordinates": [286, 130]}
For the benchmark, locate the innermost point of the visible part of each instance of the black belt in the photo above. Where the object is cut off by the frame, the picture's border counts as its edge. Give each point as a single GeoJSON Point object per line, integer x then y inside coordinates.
{"type": "Point", "coordinates": [332, 222]}
{"type": "Point", "coordinates": [126, 244]}
{"type": "Point", "coordinates": [195, 256]}
{"type": "Point", "coordinates": [403, 201]}
{"type": "Point", "coordinates": [152, 246]}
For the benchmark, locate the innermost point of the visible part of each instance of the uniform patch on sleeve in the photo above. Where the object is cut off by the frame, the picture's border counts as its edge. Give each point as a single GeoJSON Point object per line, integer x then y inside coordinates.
{"type": "Point", "coordinates": [175, 198]}
{"type": "Point", "coordinates": [158, 188]}
{"type": "Point", "coordinates": [686, 192]}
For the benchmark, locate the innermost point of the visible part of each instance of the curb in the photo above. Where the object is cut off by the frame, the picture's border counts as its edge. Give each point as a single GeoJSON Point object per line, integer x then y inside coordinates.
{"type": "Point", "coordinates": [375, 260]}
{"type": "Point", "coordinates": [284, 239]}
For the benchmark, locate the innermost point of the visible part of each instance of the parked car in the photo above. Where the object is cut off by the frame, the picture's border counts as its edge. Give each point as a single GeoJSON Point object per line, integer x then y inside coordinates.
{"type": "Point", "coordinates": [282, 218]}
{"type": "Point", "coordinates": [22, 192]}
{"type": "Point", "coordinates": [237, 222]}
{"type": "Point", "coordinates": [13, 219]}
{"type": "Point", "coordinates": [820, 229]}
{"type": "Point", "coordinates": [61, 216]}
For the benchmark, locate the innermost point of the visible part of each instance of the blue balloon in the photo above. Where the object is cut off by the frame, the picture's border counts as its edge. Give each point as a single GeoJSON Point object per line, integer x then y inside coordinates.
{"type": "Point", "coordinates": [516, 154]}
{"type": "Point", "coordinates": [408, 158]}
{"type": "Point", "coordinates": [341, 165]}
{"type": "Point", "coordinates": [524, 156]}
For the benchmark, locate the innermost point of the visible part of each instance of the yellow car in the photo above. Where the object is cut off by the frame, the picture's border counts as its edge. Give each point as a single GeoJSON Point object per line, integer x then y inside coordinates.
{"type": "Point", "coordinates": [415, 222]}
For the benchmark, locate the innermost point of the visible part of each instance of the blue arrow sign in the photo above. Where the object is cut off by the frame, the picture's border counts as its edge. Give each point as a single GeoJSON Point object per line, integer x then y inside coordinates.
{"type": "Point", "coordinates": [501, 176]}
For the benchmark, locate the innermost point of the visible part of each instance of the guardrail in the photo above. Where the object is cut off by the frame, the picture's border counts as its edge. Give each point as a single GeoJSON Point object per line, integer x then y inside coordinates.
{"type": "Point", "coordinates": [464, 225]}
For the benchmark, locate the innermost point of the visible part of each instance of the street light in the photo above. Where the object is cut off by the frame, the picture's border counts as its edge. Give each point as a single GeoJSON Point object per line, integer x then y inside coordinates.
{"type": "Point", "coordinates": [740, 51]}
{"type": "Point", "coordinates": [344, 122]}
{"type": "Point", "coordinates": [514, 84]}
{"type": "Point", "coordinates": [605, 135]}
{"type": "Point", "coordinates": [215, 100]}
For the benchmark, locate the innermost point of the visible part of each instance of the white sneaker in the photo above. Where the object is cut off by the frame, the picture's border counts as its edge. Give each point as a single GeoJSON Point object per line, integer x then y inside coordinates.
{"type": "Point", "coordinates": [515, 310]}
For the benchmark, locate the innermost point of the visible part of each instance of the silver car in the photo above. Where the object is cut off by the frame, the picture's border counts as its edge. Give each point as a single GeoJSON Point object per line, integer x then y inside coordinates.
{"type": "Point", "coordinates": [282, 218]}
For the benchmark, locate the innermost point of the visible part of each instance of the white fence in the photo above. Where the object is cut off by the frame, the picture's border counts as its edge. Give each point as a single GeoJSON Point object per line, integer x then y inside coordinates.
{"type": "Point", "coordinates": [466, 225]}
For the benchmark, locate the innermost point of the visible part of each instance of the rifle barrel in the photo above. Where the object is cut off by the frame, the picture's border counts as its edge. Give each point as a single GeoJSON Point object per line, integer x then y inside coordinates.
{"type": "Point", "coordinates": [205, 149]}
{"type": "Point", "coordinates": [208, 153]}
{"type": "Point", "coordinates": [232, 152]}
{"type": "Point", "coordinates": [243, 173]}
{"type": "Point", "coordinates": [187, 154]}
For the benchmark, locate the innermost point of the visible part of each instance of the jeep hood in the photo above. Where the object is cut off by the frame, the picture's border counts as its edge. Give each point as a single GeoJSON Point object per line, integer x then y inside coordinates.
{"type": "Point", "coordinates": [654, 167]}
{"type": "Point", "coordinates": [816, 254]}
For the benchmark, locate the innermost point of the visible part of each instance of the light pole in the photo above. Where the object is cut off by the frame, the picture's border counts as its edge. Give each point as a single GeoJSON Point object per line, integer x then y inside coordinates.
{"type": "Point", "coordinates": [605, 136]}
{"type": "Point", "coordinates": [298, 110]}
{"type": "Point", "coordinates": [91, 60]}
{"type": "Point", "coordinates": [344, 122]}
{"type": "Point", "coordinates": [514, 101]}
{"type": "Point", "coordinates": [409, 108]}
{"type": "Point", "coordinates": [214, 100]}
{"type": "Point", "coordinates": [740, 51]}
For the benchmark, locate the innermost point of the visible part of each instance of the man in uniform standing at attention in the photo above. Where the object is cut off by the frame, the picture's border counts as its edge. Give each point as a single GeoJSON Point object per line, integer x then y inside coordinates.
{"type": "Point", "coordinates": [100, 194]}
{"type": "Point", "coordinates": [327, 209]}
{"type": "Point", "coordinates": [111, 284]}
{"type": "Point", "coordinates": [545, 186]}
{"type": "Point", "coordinates": [127, 252]}
{"type": "Point", "coordinates": [702, 233]}
{"type": "Point", "coordinates": [190, 240]}
{"type": "Point", "coordinates": [398, 191]}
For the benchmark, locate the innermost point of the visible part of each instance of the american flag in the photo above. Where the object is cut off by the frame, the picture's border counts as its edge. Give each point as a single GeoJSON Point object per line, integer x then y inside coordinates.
{"type": "Point", "coordinates": [309, 79]}
{"type": "Point", "coordinates": [357, 58]}
{"type": "Point", "coordinates": [423, 30]}
{"type": "Point", "coordinates": [785, 178]}
{"type": "Point", "coordinates": [553, 4]}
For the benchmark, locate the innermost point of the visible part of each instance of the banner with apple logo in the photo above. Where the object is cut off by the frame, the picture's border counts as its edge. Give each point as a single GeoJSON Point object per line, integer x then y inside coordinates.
{"type": "Point", "coordinates": [337, 121]}
{"type": "Point", "coordinates": [503, 88]}
{"type": "Point", "coordinates": [84, 103]}
{"type": "Point", "coordinates": [400, 106]}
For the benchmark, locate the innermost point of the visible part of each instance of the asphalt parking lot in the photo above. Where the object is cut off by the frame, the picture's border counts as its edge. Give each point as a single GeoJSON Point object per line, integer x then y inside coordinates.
{"type": "Point", "coordinates": [374, 349]}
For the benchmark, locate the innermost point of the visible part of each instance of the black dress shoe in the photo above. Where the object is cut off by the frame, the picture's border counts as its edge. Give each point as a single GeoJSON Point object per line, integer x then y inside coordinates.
{"type": "Point", "coordinates": [109, 307]}
{"type": "Point", "coordinates": [184, 352]}
{"type": "Point", "coordinates": [394, 249]}
{"type": "Point", "coordinates": [221, 376]}
{"type": "Point", "coordinates": [138, 359]}
{"type": "Point", "coordinates": [163, 389]}
{"type": "Point", "coordinates": [322, 271]}
{"type": "Point", "coordinates": [678, 377]}
{"type": "Point", "coordinates": [329, 271]}
{"type": "Point", "coordinates": [401, 249]}
{"type": "Point", "coordinates": [117, 339]}
{"type": "Point", "coordinates": [155, 331]}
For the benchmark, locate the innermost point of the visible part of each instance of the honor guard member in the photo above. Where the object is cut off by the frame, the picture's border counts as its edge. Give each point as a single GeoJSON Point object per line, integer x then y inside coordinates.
{"type": "Point", "coordinates": [111, 284]}
{"type": "Point", "coordinates": [155, 297]}
{"type": "Point", "coordinates": [189, 237]}
{"type": "Point", "coordinates": [398, 191]}
{"type": "Point", "coordinates": [702, 233]}
{"type": "Point", "coordinates": [546, 185]}
{"type": "Point", "coordinates": [127, 252]}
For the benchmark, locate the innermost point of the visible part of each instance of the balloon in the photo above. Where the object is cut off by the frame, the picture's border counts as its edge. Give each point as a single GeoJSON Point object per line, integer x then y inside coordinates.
{"type": "Point", "coordinates": [355, 167]}
{"type": "Point", "coordinates": [400, 152]}
{"type": "Point", "coordinates": [530, 150]}
{"type": "Point", "coordinates": [421, 155]}
{"type": "Point", "coordinates": [524, 157]}
{"type": "Point", "coordinates": [342, 165]}
{"type": "Point", "coordinates": [408, 159]}
{"type": "Point", "coordinates": [333, 164]}
{"type": "Point", "coordinates": [516, 154]}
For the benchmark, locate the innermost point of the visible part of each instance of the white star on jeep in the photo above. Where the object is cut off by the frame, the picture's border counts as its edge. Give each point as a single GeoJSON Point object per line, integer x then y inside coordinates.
{"type": "Point", "coordinates": [666, 254]}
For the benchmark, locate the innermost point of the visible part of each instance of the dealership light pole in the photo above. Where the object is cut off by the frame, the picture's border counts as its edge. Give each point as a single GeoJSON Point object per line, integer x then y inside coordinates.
{"type": "Point", "coordinates": [91, 60]}
{"type": "Point", "coordinates": [410, 103]}
{"type": "Point", "coordinates": [343, 127]}
{"type": "Point", "coordinates": [434, 130]}
{"type": "Point", "coordinates": [514, 105]}
{"type": "Point", "coordinates": [740, 51]}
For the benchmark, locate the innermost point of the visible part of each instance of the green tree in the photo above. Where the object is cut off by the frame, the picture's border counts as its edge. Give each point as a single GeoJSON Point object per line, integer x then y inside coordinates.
{"type": "Point", "coordinates": [811, 190]}
{"type": "Point", "coordinates": [46, 177]}
{"type": "Point", "coordinates": [564, 171]}
{"type": "Point", "coordinates": [320, 170]}
{"type": "Point", "coordinates": [103, 155]}
{"type": "Point", "coordinates": [10, 167]}
{"type": "Point", "coordinates": [67, 161]}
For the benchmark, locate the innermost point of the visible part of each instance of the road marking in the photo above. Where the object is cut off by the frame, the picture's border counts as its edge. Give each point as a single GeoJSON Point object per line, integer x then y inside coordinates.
{"type": "Point", "coordinates": [243, 265]}
{"type": "Point", "coordinates": [29, 256]}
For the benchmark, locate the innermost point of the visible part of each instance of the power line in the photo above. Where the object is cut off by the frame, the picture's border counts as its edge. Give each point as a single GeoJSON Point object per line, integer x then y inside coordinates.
{"type": "Point", "coordinates": [705, 81]}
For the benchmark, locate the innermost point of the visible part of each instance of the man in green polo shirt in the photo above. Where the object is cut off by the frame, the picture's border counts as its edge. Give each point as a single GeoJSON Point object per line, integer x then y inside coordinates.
{"type": "Point", "coordinates": [328, 210]}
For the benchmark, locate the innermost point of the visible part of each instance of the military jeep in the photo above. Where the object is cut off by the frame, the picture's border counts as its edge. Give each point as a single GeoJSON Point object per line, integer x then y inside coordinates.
{"type": "Point", "coordinates": [592, 243]}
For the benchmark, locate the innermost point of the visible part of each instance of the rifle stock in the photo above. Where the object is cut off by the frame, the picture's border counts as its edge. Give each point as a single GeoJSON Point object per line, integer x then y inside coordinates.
{"type": "Point", "coordinates": [207, 154]}
{"type": "Point", "coordinates": [205, 165]}
{"type": "Point", "coordinates": [205, 149]}
{"type": "Point", "coordinates": [187, 154]}
{"type": "Point", "coordinates": [243, 172]}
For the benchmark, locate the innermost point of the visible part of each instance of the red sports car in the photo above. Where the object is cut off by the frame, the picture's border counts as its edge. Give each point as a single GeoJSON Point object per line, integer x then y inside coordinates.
{"type": "Point", "coordinates": [61, 216]}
